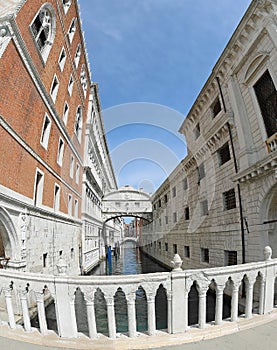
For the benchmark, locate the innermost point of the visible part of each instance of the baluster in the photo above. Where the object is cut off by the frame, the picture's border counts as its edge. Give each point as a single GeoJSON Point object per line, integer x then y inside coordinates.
{"type": "Point", "coordinates": [262, 296]}
{"type": "Point", "coordinates": [219, 304]}
{"type": "Point", "coordinates": [111, 317]}
{"type": "Point", "coordinates": [89, 298]}
{"type": "Point", "coordinates": [132, 322]}
{"type": "Point", "coordinates": [8, 298]}
{"type": "Point", "coordinates": [249, 298]}
{"type": "Point", "coordinates": [169, 312]}
{"type": "Point", "coordinates": [41, 312]}
{"type": "Point", "coordinates": [202, 308]}
{"type": "Point", "coordinates": [151, 314]}
{"type": "Point", "coordinates": [234, 303]}
{"type": "Point", "coordinates": [25, 311]}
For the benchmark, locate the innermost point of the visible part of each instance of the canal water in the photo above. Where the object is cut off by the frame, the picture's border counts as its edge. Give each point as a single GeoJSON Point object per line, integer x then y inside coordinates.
{"type": "Point", "coordinates": [132, 261]}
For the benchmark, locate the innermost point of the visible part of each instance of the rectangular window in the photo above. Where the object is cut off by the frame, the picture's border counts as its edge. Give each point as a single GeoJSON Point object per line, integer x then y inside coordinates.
{"type": "Point", "coordinates": [216, 107]}
{"type": "Point", "coordinates": [201, 172]}
{"type": "Point", "coordinates": [196, 131]}
{"type": "Point", "coordinates": [70, 85]}
{"type": "Point", "coordinates": [65, 112]}
{"type": "Point", "coordinates": [159, 203]}
{"type": "Point", "coordinates": [45, 133]}
{"type": "Point", "coordinates": [77, 175]}
{"type": "Point", "coordinates": [224, 154]}
{"type": "Point", "coordinates": [69, 205]}
{"type": "Point", "coordinates": [205, 256]}
{"type": "Point", "coordinates": [187, 213]}
{"type": "Point", "coordinates": [160, 245]}
{"type": "Point", "coordinates": [174, 217]}
{"type": "Point", "coordinates": [56, 197]}
{"type": "Point", "coordinates": [267, 98]}
{"type": "Point", "coordinates": [230, 257]}
{"type": "Point", "coordinates": [166, 247]}
{"type": "Point", "coordinates": [185, 184]}
{"type": "Point", "coordinates": [175, 248]}
{"type": "Point", "coordinates": [54, 88]}
{"type": "Point", "coordinates": [71, 172]}
{"type": "Point", "coordinates": [204, 207]}
{"type": "Point", "coordinates": [76, 208]}
{"type": "Point", "coordinates": [174, 191]}
{"type": "Point", "coordinates": [72, 253]}
{"type": "Point", "coordinates": [38, 190]}
{"type": "Point", "coordinates": [62, 59]}
{"type": "Point", "coordinates": [44, 260]}
{"type": "Point", "coordinates": [166, 219]}
{"type": "Point", "coordinates": [229, 199]}
{"type": "Point", "coordinates": [186, 251]}
{"type": "Point", "coordinates": [154, 206]}
{"type": "Point", "coordinates": [60, 253]}
{"type": "Point", "coordinates": [165, 198]}
{"type": "Point", "coordinates": [60, 152]}
{"type": "Point", "coordinates": [72, 30]}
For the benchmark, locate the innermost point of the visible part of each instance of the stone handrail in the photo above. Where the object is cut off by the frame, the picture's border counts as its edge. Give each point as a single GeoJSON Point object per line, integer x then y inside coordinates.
{"type": "Point", "coordinates": [25, 289]}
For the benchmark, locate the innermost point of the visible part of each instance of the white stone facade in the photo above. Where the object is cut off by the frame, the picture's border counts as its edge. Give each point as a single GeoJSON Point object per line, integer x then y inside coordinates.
{"type": "Point", "coordinates": [228, 179]}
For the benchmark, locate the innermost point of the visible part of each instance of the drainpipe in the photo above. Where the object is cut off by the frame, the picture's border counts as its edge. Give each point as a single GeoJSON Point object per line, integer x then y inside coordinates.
{"type": "Point", "coordinates": [236, 170]}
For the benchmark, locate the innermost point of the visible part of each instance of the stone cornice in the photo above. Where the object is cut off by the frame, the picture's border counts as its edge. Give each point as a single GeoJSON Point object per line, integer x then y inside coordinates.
{"type": "Point", "coordinates": [267, 165]}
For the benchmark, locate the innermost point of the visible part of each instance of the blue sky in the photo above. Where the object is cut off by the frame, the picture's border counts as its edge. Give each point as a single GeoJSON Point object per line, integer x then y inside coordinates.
{"type": "Point", "coordinates": [151, 59]}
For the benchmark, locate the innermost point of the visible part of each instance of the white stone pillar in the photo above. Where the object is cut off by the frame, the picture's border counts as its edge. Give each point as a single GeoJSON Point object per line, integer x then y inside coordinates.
{"type": "Point", "coordinates": [219, 304]}
{"type": "Point", "coordinates": [234, 303]}
{"type": "Point", "coordinates": [132, 322]}
{"type": "Point", "coordinates": [111, 317]}
{"type": "Point", "coordinates": [261, 297]}
{"type": "Point", "coordinates": [169, 312]}
{"type": "Point", "coordinates": [186, 310]}
{"type": "Point", "coordinates": [91, 319]}
{"type": "Point", "coordinates": [179, 303]}
{"type": "Point", "coordinates": [202, 308]}
{"type": "Point", "coordinates": [249, 300]}
{"type": "Point", "coordinates": [151, 314]}
{"type": "Point", "coordinates": [41, 312]}
{"type": "Point", "coordinates": [8, 298]}
{"type": "Point", "coordinates": [73, 314]}
{"type": "Point", "coordinates": [25, 311]}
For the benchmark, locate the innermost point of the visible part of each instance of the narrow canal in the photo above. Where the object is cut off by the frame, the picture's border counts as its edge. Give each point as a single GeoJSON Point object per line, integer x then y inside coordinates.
{"type": "Point", "coordinates": [132, 261]}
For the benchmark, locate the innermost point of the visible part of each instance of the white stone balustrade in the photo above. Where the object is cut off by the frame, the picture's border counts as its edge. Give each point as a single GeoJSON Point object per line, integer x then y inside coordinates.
{"type": "Point", "coordinates": [259, 277]}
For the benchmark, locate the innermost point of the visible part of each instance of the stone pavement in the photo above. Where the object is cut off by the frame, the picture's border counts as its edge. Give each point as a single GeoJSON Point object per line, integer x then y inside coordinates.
{"type": "Point", "coordinates": [255, 334]}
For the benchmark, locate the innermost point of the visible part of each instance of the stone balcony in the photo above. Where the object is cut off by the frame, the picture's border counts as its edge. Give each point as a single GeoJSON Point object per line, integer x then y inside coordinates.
{"type": "Point", "coordinates": [245, 284]}
{"type": "Point", "coordinates": [271, 143]}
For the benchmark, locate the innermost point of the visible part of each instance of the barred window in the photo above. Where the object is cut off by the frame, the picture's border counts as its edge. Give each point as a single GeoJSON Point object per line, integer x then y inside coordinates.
{"type": "Point", "coordinates": [230, 257]}
{"type": "Point", "coordinates": [159, 203]}
{"type": "Point", "coordinates": [175, 248]}
{"type": "Point", "coordinates": [160, 245]}
{"type": "Point", "coordinates": [166, 247]}
{"type": "Point", "coordinates": [216, 107]}
{"type": "Point", "coordinates": [166, 219]}
{"type": "Point", "coordinates": [185, 183]}
{"type": "Point", "coordinates": [224, 154]}
{"type": "Point", "coordinates": [174, 217]}
{"type": "Point", "coordinates": [229, 199]}
{"type": "Point", "coordinates": [187, 213]}
{"type": "Point", "coordinates": [204, 207]}
{"type": "Point", "coordinates": [187, 251]}
{"type": "Point", "coordinates": [205, 255]}
{"type": "Point", "coordinates": [196, 131]}
{"type": "Point", "coordinates": [174, 191]}
{"type": "Point", "coordinates": [165, 198]}
{"type": "Point", "coordinates": [267, 98]}
{"type": "Point", "coordinates": [201, 172]}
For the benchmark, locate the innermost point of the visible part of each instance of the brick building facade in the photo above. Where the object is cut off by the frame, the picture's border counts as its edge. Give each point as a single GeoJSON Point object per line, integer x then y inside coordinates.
{"type": "Point", "coordinates": [44, 100]}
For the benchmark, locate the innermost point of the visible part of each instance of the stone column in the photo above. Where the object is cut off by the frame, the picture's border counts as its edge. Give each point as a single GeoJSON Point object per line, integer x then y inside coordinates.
{"type": "Point", "coordinates": [234, 303]}
{"type": "Point", "coordinates": [41, 312]}
{"type": "Point", "coordinates": [261, 297]}
{"type": "Point", "coordinates": [202, 308]}
{"type": "Point", "coordinates": [169, 312]}
{"type": "Point", "coordinates": [73, 314]}
{"type": "Point", "coordinates": [91, 318]}
{"type": "Point", "coordinates": [111, 317]}
{"type": "Point", "coordinates": [25, 311]}
{"type": "Point", "coordinates": [8, 298]}
{"type": "Point", "coordinates": [151, 314]}
{"type": "Point", "coordinates": [249, 299]}
{"type": "Point", "coordinates": [186, 310]}
{"type": "Point", "coordinates": [219, 304]}
{"type": "Point", "coordinates": [132, 322]}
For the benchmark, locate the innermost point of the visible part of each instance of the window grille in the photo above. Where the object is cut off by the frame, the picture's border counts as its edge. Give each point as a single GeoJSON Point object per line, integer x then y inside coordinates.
{"type": "Point", "coordinates": [175, 248]}
{"type": "Point", "coordinates": [224, 154]}
{"type": "Point", "coordinates": [187, 251]}
{"type": "Point", "coordinates": [230, 257]}
{"type": "Point", "coordinates": [174, 191]}
{"type": "Point", "coordinates": [267, 98]}
{"type": "Point", "coordinates": [185, 183]}
{"type": "Point", "coordinates": [166, 247]}
{"type": "Point", "coordinates": [205, 256]}
{"type": "Point", "coordinates": [229, 198]}
{"type": "Point", "coordinates": [204, 207]}
{"type": "Point", "coordinates": [201, 172]}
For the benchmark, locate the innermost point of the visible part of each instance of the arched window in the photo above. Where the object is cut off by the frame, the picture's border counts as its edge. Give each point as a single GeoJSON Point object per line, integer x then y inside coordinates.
{"type": "Point", "coordinates": [78, 123]}
{"type": "Point", "coordinates": [43, 29]}
{"type": "Point", "coordinates": [84, 80]}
